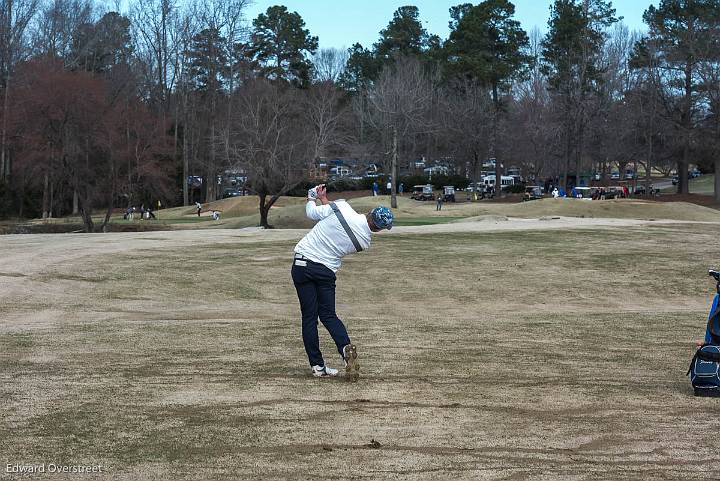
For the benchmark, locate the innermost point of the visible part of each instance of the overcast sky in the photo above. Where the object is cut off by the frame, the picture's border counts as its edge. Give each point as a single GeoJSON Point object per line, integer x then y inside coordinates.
{"type": "Point", "coordinates": [341, 23]}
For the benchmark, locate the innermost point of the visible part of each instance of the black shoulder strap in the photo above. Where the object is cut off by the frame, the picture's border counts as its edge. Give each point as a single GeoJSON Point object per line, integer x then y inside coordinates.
{"type": "Point", "coordinates": [345, 225]}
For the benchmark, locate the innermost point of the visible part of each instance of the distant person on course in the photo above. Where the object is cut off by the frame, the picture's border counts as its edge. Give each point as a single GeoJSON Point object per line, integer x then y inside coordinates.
{"type": "Point", "coordinates": [341, 231]}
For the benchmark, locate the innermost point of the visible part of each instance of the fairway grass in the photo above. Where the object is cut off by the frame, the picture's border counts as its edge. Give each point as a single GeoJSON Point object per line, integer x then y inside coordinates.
{"type": "Point", "coordinates": [425, 220]}
{"type": "Point", "coordinates": [705, 184]}
{"type": "Point", "coordinates": [533, 354]}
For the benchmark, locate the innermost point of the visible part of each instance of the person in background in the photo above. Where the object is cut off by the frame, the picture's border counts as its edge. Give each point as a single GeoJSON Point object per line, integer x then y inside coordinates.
{"type": "Point", "coordinates": [198, 206]}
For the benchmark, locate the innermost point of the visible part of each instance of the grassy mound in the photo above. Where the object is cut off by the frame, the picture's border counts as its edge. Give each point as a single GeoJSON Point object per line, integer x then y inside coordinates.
{"type": "Point", "coordinates": [290, 212]}
{"type": "Point", "coordinates": [615, 209]}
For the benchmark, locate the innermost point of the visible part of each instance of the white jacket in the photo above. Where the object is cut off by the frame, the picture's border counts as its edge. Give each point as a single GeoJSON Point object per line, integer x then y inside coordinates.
{"type": "Point", "coordinates": [327, 243]}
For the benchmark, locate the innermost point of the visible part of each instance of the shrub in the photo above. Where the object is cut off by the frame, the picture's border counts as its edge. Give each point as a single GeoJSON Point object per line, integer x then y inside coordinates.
{"type": "Point", "coordinates": [341, 184]}
{"type": "Point", "coordinates": [411, 180]}
{"type": "Point", "coordinates": [301, 189]}
{"type": "Point", "coordinates": [366, 182]}
{"type": "Point", "coordinates": [515, 189]}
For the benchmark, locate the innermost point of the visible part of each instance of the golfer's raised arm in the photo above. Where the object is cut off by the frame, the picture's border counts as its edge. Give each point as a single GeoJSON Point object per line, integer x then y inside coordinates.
{"type": "Point", "coordinates": [314, 211]}
{"type": "Point", "coordinates": [317, 212]}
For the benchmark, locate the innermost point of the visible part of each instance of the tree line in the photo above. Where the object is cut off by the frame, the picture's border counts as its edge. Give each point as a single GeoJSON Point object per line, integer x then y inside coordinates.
{"type": "Point", "coordinates": [102, 109]}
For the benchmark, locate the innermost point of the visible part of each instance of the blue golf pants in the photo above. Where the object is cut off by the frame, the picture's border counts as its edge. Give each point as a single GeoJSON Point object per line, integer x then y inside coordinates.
{"type": "Point", "coordinates": [315, 286]}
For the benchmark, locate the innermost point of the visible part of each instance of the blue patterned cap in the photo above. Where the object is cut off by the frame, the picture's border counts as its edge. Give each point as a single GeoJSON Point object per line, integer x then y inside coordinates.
{"type": "Point", "coordinates": [382, 217]}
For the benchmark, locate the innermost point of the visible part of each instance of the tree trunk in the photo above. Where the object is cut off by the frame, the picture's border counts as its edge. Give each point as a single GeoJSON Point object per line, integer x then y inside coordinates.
{"type": "Point", "coordinates": [682, 168]}
{"type": "Point", "coordinates": [110, 199]}
{"type": "Point", "coordinates": [492, 148]}
{"type": "Point", "coordinates": [393, 170]}
{"type": "Point", "coordinates": [717, 179]}
{"type": "Point", "coordinates": [265, 208]}
{"type": "Point", "coordinates": [21, 200]}
{"type": "Point", "coordinates": [211, 190]}
{"type": "Point", "coordinates": [106, 219]}
{"type": "Point", "coordinates": [8, 165]}
{"type": "Point", "coordinates": [212, 181]}
{"type": "Point", "coordinates": [264, 211]}
{"type": "Point", "coordinates": [52, 199]}
{"type": "Point", "coordinates": [648, 165]}
{"type": "Point", "coordinates": [186, 156]}
{"type": "Point", "coordinates": [86, 213]}
{"type": "Point", "coordinates": [474, 176]}
{"type": "Point", "coordinates": [566, 160]}
{"type": "Point", "coordinates": [175, 141]}
{"type": "Point", "coordinates": [4, 158]}
{"type": "Point", "coordinates": [5, 71]}
{"type": "Point", "coordinates": [683, 186]}
{"type": "Point", "coordinates": [46, 197]}
{"type": "Point", "coordinates": [75, 207]}
{"type": "Point", "coordinates": [85, 207]}
{"type": "Point", "coordinates": [579, 153]}
{"type": "Point", "coordinates": [108, 213]}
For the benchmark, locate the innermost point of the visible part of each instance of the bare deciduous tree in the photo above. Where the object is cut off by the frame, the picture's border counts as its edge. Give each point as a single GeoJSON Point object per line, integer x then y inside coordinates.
{"type": "Point", "coordinates": [466, 123]}
{"type": "Point", "coordinates": [154, 22]}
{"type": "Point", "coordinates": [330, 64]}
{"type": "Point", "coordinates": [325, 109]}
{"type": "Point", "coordinates": [400, 104]}
{"type": "Point", "coordinates": [15, 16]}
{"type": "Point", "coordinates": [271, 139]}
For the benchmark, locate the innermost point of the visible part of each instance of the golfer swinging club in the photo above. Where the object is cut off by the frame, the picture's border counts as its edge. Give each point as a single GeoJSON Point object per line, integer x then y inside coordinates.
{"type": "Point", "coordinates": [341, 231]}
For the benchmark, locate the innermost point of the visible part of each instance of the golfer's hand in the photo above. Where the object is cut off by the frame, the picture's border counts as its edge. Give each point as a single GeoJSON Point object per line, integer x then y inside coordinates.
{"type": "Point", "coordinates": [322, 193]}
{"type": "Point", "coordinates": [699, 343]}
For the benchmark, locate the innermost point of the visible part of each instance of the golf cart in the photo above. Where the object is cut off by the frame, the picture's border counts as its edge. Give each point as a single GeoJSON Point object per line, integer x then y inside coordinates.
{"type": "Point", "coordinates": [423, 192]}
{"type": "Point", "coordinates": [584, 192]}
{"type": "Point", "coordinates": [613, 192]}
{"type": "Point", "coordinates": [532, 192]}
{"type": "Point", "coordinates": [449, 193]}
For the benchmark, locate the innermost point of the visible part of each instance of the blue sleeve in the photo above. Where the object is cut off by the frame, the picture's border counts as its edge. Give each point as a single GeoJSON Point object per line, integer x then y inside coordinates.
{"type": "Point", "coordinates": [708, 337]}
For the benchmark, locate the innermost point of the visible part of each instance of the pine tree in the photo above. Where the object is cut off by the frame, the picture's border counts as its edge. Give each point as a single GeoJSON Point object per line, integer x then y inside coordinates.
{"type": "Point", "coordinates": [101, 46]}
{"type": "Point", "coordinates": [487, 47]}
{"type": "Point", "coordinates": [681, 37]}
{"type": "Point", "coordinates": [571, 60]}
{"type": "Point", "coordinates": [403, 36]}
{"type": "Point", "coordinates": [207, 60]}
{"type": "Point", "coordinates": [282, 46]}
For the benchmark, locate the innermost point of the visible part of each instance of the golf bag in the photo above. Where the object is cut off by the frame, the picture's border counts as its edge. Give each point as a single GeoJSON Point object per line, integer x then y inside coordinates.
{"type": "Point", "coordinates": [704, 369]}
